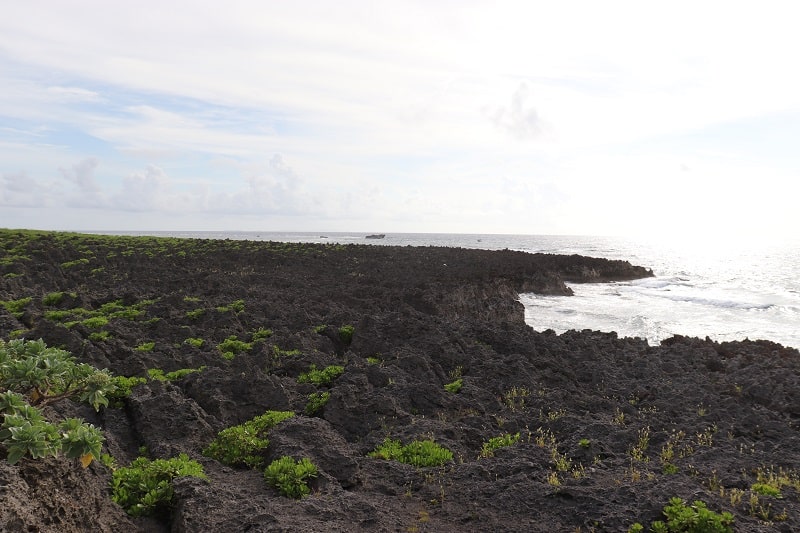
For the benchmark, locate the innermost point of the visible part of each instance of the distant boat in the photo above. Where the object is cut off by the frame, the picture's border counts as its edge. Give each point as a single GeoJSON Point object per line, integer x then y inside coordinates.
{"type": "Point", "coordinates": [376, 236]}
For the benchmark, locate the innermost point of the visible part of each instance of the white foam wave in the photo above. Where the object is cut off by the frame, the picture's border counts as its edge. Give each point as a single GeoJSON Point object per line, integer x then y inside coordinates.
{"type": "Point", "coordinates": [715, 302]}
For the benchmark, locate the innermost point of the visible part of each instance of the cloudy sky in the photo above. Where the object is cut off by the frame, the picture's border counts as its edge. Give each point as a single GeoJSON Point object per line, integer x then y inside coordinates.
{"type": "Point", "coordinates": [401, 116]}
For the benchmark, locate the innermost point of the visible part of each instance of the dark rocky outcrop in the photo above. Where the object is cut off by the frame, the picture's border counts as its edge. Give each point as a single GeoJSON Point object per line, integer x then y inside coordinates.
{"type": "Point", "coordinates": [583, 400]}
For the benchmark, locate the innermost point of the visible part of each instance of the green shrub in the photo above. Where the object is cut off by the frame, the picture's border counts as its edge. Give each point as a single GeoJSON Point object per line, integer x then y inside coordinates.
{"type": "Point", "coordinates": [70, 264]}
{"type": "Point", "coordinates": [501, 441]}
{"type": "Point", "coordinates": [682, 518]}
{"type": "Point", "coordinates": [159, 375]}
{"type": "Point", "coordinates": [99, 336]}
{"type": "Point", "coordinates": [232, 346]}
{"type": "Point", "coordinates": [57, 316]}
{"type": "Point", "coordinates": [128, 313]}
{"type": "Point", "coordinates": [765, 489]}
{"type": "Point", "coordinates": [46, 374]}
{"type": "Point", "coordinates": [346, 334]}
{"type": "Point", "coordinates": [670, 468]}
{"type": "Point", "coordinates": [277, 352]}
{"type": "Point", "coordinates": [236, 306]}
{"type": "Point", "coordinates": [316, 401]}
{"type": "Point", "coordinates": [321, 377]}
{"type": "Point", "coordinates": [15, 307]}
{"type": "Point", "coordinates": [95, 322]}
{"type": "Point", "coordinates": [454, 386]}
{"type": "Point", "coordinates": [260, 334]}
{"type": "Point", "coordinates": [290, 477]}
{"type": "Point", "coordinates": [197, 313]}
{"type": "Point", "coordinates": [80, 440]}
{"type": "Point", "coordinates": [52, 298]}
{"type": "Point", "coordinates": [32, 371]}
{"type": "Point", "coordinates": [123, 388]}
{"type": "Point", "coordinates": [194, 341]}
{"type": "Point", "coordinates": [146, 347]}
{"type": "Point", "coordinates": [111, 307]}
{"type": "Point", "coordinates": [145, 487]}
{"type": "Point", "coordinates": [25, 431]}
{"type": "Point", "coordinates": [240, 445]}
{"type": "Point", "coordinates": [417, 453]}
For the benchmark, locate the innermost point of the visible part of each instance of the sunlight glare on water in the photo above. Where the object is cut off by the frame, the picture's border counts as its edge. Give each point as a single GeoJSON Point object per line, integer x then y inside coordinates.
{"type": "Point", "coordinates": [723, 291]}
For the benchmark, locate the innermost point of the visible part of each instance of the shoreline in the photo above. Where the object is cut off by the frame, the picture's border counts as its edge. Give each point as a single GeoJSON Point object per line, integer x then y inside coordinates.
{"type": "Point", "coordinates": [422, 318]}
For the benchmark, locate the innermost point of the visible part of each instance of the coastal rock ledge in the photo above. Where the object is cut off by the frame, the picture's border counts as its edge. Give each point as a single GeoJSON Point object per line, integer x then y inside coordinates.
{"type": "Point", "coordinates": [609, 429]}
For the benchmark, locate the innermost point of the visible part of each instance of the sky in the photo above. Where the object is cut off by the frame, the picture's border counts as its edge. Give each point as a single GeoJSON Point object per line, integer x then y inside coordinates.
{"type": "Point", "coordinates": [573, 117]}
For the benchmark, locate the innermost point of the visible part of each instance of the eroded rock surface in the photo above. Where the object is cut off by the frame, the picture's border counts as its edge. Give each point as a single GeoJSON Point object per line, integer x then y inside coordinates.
{"type": "Point", "coordinates": [596, 414]}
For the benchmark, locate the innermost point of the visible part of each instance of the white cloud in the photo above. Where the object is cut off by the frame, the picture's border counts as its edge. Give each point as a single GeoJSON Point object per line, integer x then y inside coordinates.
{"type": "Point", "coordinates": [73, 94]}
{"type": "Point", "coordinates": [82, 174]}
{"type": "Point", "coordinates": [143, 191]}
{"type": "Point", "coordinates": [19, 189]}
{"type": "Point", "coordinates": [397, 112]}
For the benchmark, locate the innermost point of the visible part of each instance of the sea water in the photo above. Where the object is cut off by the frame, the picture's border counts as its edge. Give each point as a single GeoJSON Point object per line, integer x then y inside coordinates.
{"type": "Point", "coordinates": [725, 291]}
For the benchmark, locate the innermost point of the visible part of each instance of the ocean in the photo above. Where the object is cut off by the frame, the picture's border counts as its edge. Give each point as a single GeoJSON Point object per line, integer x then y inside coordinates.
{"type": "Point", "coordinates": [725, 291]}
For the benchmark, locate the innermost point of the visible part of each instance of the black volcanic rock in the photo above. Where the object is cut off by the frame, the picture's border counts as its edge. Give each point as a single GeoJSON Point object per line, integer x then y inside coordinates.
{"type": "Point", "coordinates": [582, 402]}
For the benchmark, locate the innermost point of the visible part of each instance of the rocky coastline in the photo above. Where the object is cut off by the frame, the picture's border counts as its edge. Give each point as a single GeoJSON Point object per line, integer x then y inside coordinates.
{"type": "Point", "coordinates": [609, 428]}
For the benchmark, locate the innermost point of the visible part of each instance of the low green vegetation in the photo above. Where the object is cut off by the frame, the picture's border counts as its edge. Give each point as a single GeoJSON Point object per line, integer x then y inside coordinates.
{"type": "Point", "coordinates": [515, 398]}
{"type": "Point", "coordinates": [195, 314]}
{"type": "Point", "coordinates": [99, 336]}
{"type": "Point", "coordinates": [770, 481]}
{"type": "Point", "coordinates": [232, 346]}
{"type": "Point", "coordinates": [95, 322]}
{"type": "Point", "coordinates": [346, 334]}
{"type": "Point", "coordinates": [25, 432]}
{"type": "Point", "coordinates": [419, 453]}
{"type": "Point", "coordinates": [639, 448]}
{"type": "Point", "coordinates": [495, 443]}
{"type": "Point", "coordinates": [97, 318]}
{"type": "Point", "coordinates": [194, 341]}
{"type": "Point", "coordinates": [454, 386]}
{"type": "Point", "coordinates": [243, 445]}
{"type": "Point", "coordinates": [765, 489]}
{"type": "Point", "coordinates": [56, 316]}
{"type": "Point", "coordinates": [145, 347]}
{"type": "Point", "coordinates": [123, 386]}
{"type": "Point", "coordinates": [321, 377]}
{"type": "Point", "coordinates": [46, 374]}
{"type": "Point", "coordinates": [52, 298]}
{"type": "Point", "coordinates": [683, 518]}
{"type": "Point", "coordinates": [291, 477]}
{"type": "Point", "coordinates": [15, 307]}
{"type": "Point", "coordinates": [278, 352]}
{"type": "Point", "coordinates": [159, 375]}
{"type": "Point", "coordinates": [316, 401]}
{"type": "Point", "coordinates": [76, 262]}
{"type": "Point", "coordinates": [145, 487]}
{"type": "Point", "coordinates": [34, 375]}
{"type": "Point", "coordinates": [261, 334]}
{"type": "Point", "coordinates": [236, 306]}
